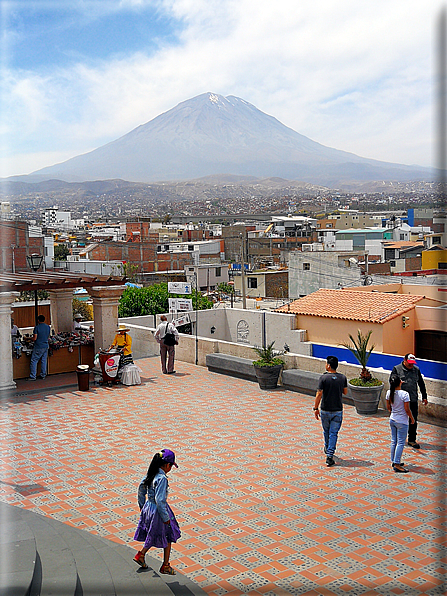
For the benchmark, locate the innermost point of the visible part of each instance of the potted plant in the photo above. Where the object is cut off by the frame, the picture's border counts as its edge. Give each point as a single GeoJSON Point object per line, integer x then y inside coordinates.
{"type": "Point", "coordinates": [268, 366]}
{"type": "Point", "coordinates": [365, 390]}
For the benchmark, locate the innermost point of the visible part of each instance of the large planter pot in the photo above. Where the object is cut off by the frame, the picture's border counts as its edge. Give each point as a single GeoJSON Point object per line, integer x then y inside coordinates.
{"type": "Point", "coordinates": [366, 399]}
{"type": "Point", "coordinates": [267, 375]}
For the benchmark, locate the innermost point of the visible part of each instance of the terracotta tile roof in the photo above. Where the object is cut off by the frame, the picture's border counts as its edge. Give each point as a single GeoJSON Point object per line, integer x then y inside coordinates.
{"type": "Point", "coordinates": [401, 243]}
{"type": "Point", "coordinates": [373, 307]}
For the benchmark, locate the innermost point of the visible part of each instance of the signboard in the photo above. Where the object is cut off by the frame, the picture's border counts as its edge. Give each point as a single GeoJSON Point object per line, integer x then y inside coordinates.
{"type": "Point", "coordinates": [179, 287]}
{"type": "Point", "coordinates": [111, 366]}
{"type": "Point", "coordinates": [176, 304]}
{"type": "Point", "coordinates": [184, 304]}
{"type": "Point", "coordinates": [183, 320]}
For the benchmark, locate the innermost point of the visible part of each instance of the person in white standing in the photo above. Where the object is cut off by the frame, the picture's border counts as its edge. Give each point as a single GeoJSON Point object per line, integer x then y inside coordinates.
{"type": "Point", "coordinates": [167, 337]}
{"type": "Point", "coordinates": [398, 403]}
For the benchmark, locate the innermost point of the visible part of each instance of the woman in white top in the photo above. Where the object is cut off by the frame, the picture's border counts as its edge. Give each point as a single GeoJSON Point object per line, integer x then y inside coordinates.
{"type": "Point", "coordinates": [398, 403]}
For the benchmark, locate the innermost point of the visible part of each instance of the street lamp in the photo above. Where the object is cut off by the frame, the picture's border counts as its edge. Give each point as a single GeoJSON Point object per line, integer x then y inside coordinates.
{"type": "Point", "coordinates": [13, 247]}
{"type": "Point", "coordinates": [34, 263]}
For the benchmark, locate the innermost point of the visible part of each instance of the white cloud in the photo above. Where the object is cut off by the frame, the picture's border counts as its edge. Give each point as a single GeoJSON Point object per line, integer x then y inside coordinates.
{"type": "Point", "coordinates": [354, 76]}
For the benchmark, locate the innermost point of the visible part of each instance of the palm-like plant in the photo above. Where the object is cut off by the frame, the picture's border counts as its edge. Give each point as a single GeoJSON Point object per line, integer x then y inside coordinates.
{"type": "Point", "coordinates": [359, 347]}
{"type": "Point", "coordinates": [268, 356]}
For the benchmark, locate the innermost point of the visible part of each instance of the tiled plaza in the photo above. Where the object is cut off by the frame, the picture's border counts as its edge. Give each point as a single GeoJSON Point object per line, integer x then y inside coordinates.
{"type": "Point", "coordinates": [259, 511]}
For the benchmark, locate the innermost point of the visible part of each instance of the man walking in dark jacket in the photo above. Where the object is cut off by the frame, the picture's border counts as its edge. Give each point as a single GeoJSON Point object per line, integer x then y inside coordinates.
{"type": "Point", "coordinates": [411, 378]}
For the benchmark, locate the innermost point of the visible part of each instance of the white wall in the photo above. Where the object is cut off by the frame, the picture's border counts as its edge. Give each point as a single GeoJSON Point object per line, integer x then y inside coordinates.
{"type": "Point", "coordinates": [245, 327]}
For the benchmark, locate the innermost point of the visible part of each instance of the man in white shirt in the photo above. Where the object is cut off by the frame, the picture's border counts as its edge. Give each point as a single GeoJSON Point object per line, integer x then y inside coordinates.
{"type": "Point", "coordinates": [165, 334]}
{"type": "Point", "coordinates": [77, 323]}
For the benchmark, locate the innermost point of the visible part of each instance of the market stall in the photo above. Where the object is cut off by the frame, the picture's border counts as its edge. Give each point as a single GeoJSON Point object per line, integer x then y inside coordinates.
{"type": "Point", "coordinates": [66, 351]}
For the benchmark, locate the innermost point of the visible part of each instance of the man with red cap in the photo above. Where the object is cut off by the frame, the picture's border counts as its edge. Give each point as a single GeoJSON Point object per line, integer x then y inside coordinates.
{"type": "Point", "coordinates": [411, 378]}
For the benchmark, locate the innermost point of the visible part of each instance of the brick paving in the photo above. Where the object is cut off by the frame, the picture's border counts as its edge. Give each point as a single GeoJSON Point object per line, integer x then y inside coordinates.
{"type": "Point", "coordinates": [259, 511]}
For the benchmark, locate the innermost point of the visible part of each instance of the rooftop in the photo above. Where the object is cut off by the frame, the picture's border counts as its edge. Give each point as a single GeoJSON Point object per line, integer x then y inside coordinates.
{"type": "Point", "coordinates": [351, 305]}
{"type": "Point", "coordinates": [259, 511]}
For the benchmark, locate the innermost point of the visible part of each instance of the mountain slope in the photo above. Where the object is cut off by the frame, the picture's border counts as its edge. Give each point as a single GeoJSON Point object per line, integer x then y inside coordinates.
{"type": "Point", "coordinates": [211, 134]}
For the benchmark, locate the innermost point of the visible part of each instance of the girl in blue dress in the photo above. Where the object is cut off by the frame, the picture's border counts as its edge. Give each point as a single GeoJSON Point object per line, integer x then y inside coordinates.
{"type": "Point", "coordinates": [157, 526]}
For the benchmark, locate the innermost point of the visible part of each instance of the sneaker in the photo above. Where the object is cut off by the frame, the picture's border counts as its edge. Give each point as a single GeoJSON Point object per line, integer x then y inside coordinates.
{"type": "Point", "coordinates": [167, 570]}
{"type": "Point", "coordinates": [139, 559]}
{"type": "Point", "coordinates": [330, 461]}
{"type": "Point", "coordinates": [400, 469]}
{"type": "Point", "coordinates": [31, 379]}
{"type": "Point", "coordinates": [414, 444]}
{"type": "Point", "coordinates": [171, 372]}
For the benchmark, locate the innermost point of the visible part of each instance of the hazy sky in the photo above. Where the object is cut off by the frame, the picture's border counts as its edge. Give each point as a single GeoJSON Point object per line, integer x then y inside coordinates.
{"type": "Point", "coordinates": [356, 75]}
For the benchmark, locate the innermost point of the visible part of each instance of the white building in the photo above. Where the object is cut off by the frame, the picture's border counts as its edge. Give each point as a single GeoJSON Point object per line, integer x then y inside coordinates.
{"type": "Point", "coordinates": [311, 270]}
{"type": "Point", "coordinates": [53, 218]}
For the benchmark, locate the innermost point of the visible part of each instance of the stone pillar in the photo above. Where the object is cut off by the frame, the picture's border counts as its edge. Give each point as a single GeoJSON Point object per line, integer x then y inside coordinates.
{"type": "Point", "coordinates": [6, 370]}
{"type": "Point", "coordinates": [105, 313]}
{"type": "Point", "coordinates": [61, 309]}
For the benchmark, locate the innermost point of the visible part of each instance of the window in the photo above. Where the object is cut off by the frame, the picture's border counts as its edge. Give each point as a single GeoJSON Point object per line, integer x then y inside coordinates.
{"type": "Point", "coordinates": [252, 282]}
{"type": "Point", "coordinates": [306, 266]}
{"type": "Point", "coordinates": [218, 271]}
{"type": "Point", "coordinates": [402, 236]}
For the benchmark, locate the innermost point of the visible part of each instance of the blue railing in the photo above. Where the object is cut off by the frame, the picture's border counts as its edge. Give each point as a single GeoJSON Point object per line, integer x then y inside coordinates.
{"type": "Point", "coordinates": [429, 368]}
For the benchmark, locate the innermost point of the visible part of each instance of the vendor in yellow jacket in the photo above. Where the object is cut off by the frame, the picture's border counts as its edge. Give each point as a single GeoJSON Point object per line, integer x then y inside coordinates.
{"type": "Point", "coordinates": [123, 342]}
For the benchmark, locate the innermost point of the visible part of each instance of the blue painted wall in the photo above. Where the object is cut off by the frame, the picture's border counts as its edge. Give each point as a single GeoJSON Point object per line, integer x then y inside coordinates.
{"type": "Point", "coordinates": [429, 368]}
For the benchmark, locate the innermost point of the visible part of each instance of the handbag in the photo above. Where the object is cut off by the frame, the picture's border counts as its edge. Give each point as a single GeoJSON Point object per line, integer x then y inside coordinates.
{"type": "Point", "coordinates": [169, 338]}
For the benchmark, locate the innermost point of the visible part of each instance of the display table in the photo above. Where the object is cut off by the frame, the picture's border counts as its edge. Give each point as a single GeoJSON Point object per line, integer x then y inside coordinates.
{"type": "Point", "coordinates": [61, 361]}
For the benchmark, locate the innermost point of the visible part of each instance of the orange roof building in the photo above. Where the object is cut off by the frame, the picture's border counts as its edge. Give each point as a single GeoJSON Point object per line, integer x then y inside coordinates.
{"type": "Point", "coordinates": [329, 316]}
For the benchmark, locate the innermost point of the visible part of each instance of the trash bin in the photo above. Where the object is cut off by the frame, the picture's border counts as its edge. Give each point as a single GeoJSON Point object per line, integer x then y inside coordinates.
{"type": "Point", "coordinates": [83, 372]}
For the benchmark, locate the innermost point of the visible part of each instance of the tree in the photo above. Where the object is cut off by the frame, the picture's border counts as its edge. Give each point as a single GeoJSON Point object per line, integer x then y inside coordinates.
{"type": "Point", "coordinates": [82, 308]}
{"type": "Point", "coordinates": [153, 300]}
{"type": "Point", "coordinates": [225, 288]}
{"type": "Point", "coordinates": [61, 251]}
{"type": "Point", "coordinates": [128, 270]}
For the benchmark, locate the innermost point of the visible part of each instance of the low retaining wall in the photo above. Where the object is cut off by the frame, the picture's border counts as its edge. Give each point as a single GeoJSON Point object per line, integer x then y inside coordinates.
{"type": "Point", "coordinates": [192, 351]}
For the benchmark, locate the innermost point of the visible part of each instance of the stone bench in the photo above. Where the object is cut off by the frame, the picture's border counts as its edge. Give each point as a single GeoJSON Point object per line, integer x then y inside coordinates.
{"type": "Point", "coordinates": [299, 380]}
{"type": "Point", "coordinates": [234, 366]}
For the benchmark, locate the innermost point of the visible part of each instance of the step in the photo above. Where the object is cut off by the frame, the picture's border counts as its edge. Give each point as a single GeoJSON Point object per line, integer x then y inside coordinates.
{"type": "Point", "coordinates": [129, 579]}
{"type": "Point", "coordinates": [58, 568]}
{"type": "Point", "coordinates": [17, 552]}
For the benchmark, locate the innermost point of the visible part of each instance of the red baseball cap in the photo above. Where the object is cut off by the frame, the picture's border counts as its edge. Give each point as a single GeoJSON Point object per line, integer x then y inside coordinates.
{"type": "Point", "coordinates": [411, 359]}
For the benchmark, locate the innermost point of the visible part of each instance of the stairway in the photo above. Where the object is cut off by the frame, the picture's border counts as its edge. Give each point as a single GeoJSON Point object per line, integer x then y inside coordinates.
{"type": "Point", "coordinates": [40, 556]}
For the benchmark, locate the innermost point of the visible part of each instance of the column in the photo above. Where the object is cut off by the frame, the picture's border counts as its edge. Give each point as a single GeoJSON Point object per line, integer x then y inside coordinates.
{"type": "Point", "coordinates": [61, 309]}
{"type": "Point", "coordinates": [105, 313]}
{"type": "Point", "coordinates": [6, 370]}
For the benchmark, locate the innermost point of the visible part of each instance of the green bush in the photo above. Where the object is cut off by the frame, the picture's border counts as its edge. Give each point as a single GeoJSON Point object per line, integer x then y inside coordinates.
{"type": "Point", "coordinates": [153, 300]}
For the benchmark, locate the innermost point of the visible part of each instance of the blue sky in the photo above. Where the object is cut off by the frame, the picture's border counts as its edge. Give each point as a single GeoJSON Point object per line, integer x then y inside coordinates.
{"type": "Point", "coordinates": [357, 76]}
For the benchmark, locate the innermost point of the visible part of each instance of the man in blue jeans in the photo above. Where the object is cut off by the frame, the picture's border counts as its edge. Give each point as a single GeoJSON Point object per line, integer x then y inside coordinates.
{"type": "Point", "coordinates": [41, 333]}
{"type": "Point", "coordinates": [331, 388]}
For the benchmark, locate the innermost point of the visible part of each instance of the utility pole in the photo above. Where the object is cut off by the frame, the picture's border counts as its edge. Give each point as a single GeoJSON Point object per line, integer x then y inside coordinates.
{"type": "Point", "coordinates": [244, 298]}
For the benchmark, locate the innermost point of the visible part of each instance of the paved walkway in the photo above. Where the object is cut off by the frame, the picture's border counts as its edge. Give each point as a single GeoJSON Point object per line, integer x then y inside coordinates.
{"type": "Point", "coordinates": [259, 511]}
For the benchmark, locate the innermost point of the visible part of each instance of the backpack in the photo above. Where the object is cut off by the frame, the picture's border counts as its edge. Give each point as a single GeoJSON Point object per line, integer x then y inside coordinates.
{"type": "Point", "coordinates": [169, 338]}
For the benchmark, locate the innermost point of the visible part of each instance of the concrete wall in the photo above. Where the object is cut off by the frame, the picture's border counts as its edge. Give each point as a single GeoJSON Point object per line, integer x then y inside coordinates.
{"type": "Point", "coordinates": [144, 345]}
{"type": "Point", "coordinates": [431, 318]}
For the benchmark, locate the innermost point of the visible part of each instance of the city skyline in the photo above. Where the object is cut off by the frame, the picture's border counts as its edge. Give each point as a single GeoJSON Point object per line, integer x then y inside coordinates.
{"type": "Point", "coordinates": [79, 74]}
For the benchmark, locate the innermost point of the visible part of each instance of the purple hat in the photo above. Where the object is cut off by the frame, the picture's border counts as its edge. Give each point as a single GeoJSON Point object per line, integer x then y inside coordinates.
{"type": "Point", "coordinates": [168, 457]}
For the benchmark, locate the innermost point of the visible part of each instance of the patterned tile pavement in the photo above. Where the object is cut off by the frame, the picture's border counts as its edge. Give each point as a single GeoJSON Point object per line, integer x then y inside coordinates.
{"type": "Point", "coordinates": [260, 513]}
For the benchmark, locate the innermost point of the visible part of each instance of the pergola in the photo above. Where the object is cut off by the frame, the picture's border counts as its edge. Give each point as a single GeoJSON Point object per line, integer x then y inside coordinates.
{"type": "Point", "coordinates": [104, 290]}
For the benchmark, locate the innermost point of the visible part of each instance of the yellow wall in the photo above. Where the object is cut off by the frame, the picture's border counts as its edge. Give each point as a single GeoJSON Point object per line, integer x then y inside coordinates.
{"type": "Point", "coordinates": [334, 331]}
{"type": "Point", "coordinates": [396, 339]}
{"type": "Point", "coordinates": [432, 258]}
{"type": "Point", "coordinates": [388, 338]}
{"type": "Point", "coordinates": [434, 295]}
